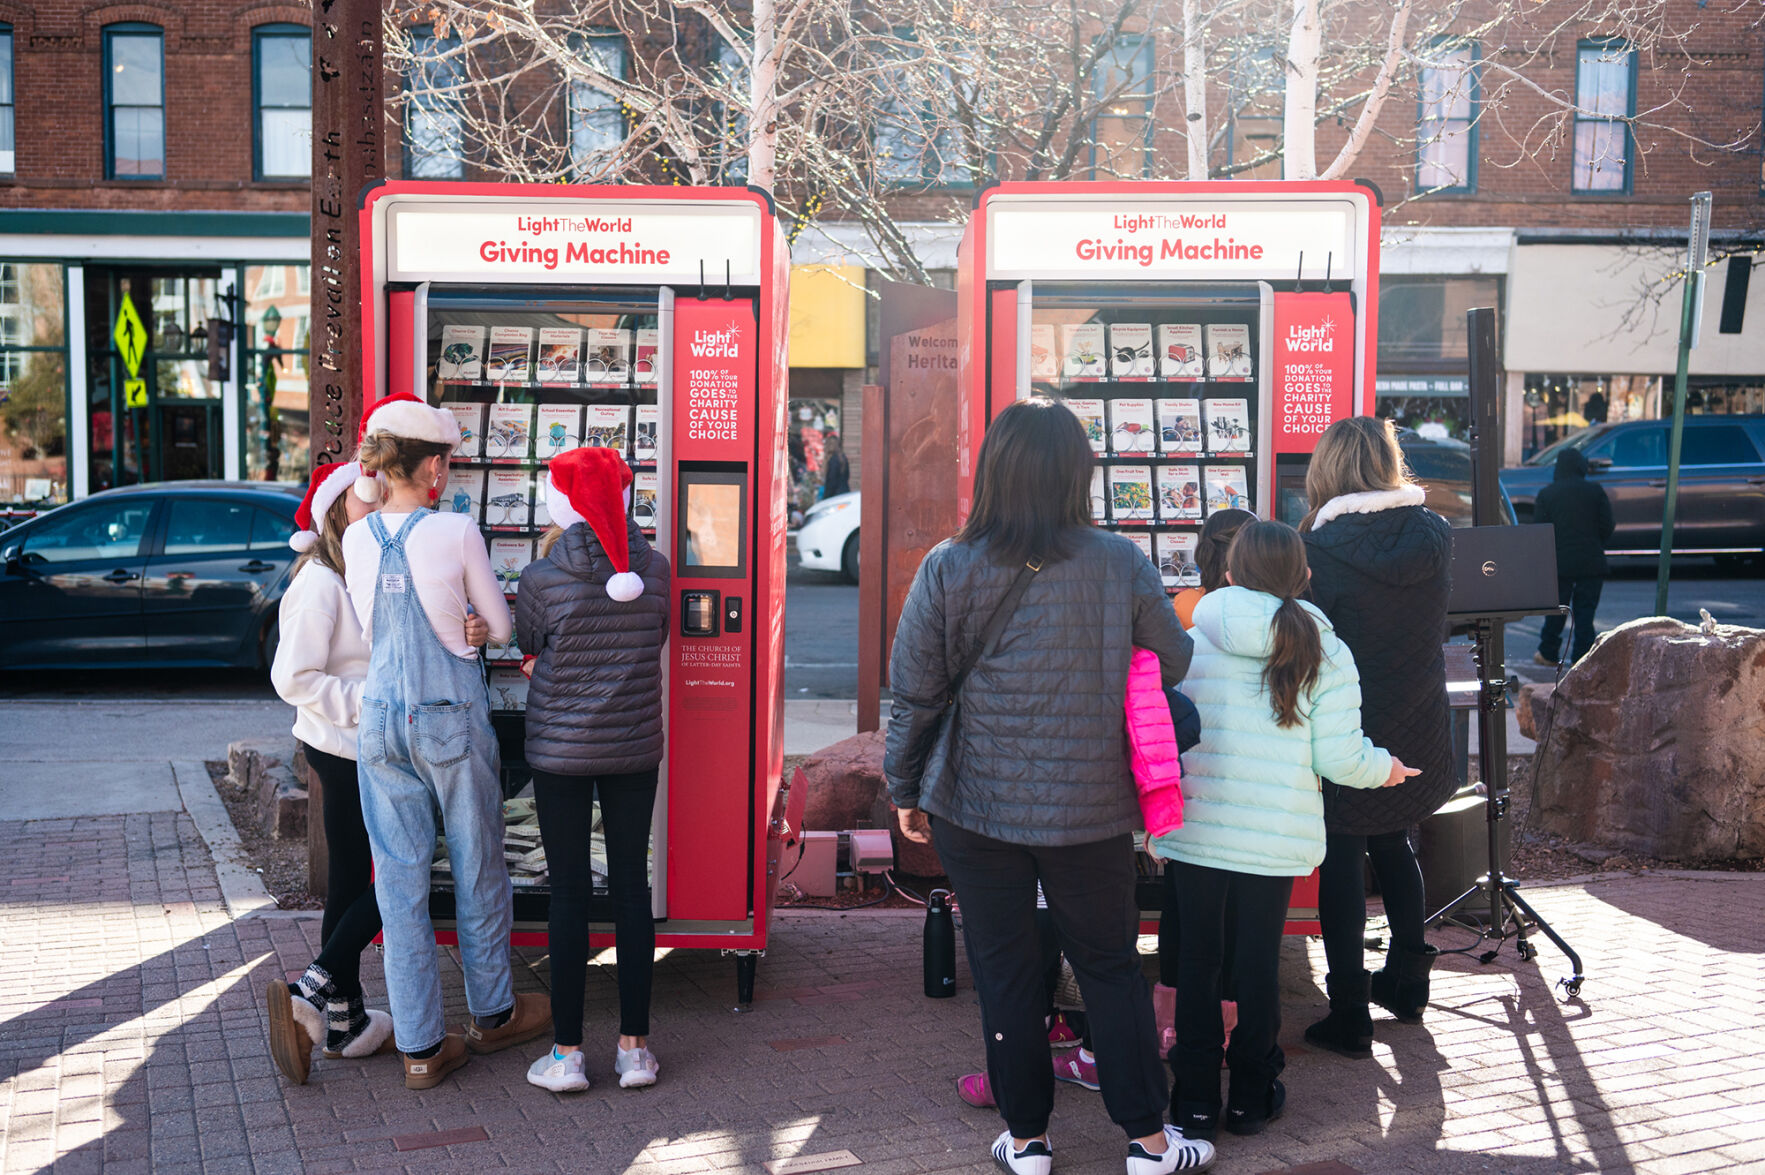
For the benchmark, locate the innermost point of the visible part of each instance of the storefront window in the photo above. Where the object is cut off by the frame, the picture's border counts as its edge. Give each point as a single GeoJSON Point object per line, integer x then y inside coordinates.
{"type": "Point", "coordinates": [811, 422]}
{"type": "Point", "coordinates": [1424, 349]}
{"type": "Point", "coordinates": [274, 377]}
{"type": "Point", "coordinates": [33, 384]}
{"type": "Point", "coordinates": [1559, 406]}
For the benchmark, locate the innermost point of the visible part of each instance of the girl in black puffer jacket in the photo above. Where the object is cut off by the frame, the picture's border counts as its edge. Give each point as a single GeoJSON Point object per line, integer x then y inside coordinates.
{"type": "Point", "coordinates": [591, 618]}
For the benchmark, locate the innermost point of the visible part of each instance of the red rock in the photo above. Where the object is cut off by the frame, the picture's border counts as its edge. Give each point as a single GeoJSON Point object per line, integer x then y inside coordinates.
{"type": "Point", "coordinates": [845, 781]}
{"type": "Point", "coordinates": [1532, 706]}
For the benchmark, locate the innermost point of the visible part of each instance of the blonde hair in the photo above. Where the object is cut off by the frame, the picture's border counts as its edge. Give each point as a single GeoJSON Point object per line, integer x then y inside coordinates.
{"type": "Point", "coordinates": [397, 457]}
{"type": "Point", "coordinates": [328, 551]}
{"type": "Point", "coordinates": [549, 539]}
{"type": "Point", "coordinates": [1354, 456]}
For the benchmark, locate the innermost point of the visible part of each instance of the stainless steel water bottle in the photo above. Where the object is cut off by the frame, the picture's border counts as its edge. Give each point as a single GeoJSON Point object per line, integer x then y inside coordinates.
{"type": "Point", "coordinates": [940, 947]}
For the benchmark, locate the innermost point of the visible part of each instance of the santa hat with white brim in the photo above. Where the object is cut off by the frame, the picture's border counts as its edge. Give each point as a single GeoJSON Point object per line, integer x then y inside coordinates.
{"type": "Point", "coordinates": [404, 415]}
{"type": "Point", "coordinates": [326, 486]}
{"type": "Point", "coordinates": [594, 486]}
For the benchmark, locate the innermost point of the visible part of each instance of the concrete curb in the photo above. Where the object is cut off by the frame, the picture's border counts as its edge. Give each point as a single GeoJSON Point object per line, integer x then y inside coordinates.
{"type": "Point", "coordinates": [241, 887]}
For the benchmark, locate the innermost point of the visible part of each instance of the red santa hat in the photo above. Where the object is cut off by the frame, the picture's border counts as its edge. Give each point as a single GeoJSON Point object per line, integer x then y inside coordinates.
{"type": "Point", "coordinates": [327, 485]}
{"type": "Point", "coordinates": [403, 415]}
{"type": "Point", "coordinates": [594, 486]}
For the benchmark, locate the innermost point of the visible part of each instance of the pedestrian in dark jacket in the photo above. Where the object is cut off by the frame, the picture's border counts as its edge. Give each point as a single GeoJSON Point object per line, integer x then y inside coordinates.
{"type": "Point", "coordinates": [1582, 515]}
{"type": "Point", "coordinates": [836, 474]}
{"type": "Point", "coordinates": [1382, 572]}
{"type": "Point", "coordinates": [591, 619]}
{"type": "Point", "coordinates": [1025, 777]}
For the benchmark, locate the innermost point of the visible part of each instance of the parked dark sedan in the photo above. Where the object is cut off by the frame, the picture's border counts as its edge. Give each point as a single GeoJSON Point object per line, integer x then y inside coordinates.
{"type": "Point", "coordinates": [1721, 507]}
{"type": "Point", "coordinates": [174, 573]}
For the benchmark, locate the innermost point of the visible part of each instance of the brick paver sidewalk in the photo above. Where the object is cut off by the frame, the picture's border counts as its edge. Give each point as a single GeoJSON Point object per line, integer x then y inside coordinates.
{"type": "Point", "coordinates": [131, 1040]}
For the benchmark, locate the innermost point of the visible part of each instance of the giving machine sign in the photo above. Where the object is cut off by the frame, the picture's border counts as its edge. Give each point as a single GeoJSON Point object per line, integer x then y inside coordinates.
{"type": "Point", "coordinates": [1313, 376]}
{"type": "Point", "coordinates": [714, 374]}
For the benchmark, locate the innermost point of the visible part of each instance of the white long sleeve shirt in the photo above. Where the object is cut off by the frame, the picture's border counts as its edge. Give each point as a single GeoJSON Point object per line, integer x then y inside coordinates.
{"type": "Point", "coordinates": [450, 568]}
{"type": "Point", "coordinates": [321, 660]}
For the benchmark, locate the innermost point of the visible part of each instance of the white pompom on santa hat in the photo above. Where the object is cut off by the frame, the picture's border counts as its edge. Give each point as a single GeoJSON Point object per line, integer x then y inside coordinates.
{"type": "Point", "coordinates": [327, 485]}
{"type": "Point", "coordinates": [594, 486]}
{"type": "Point", "coordinates": [403, 415]}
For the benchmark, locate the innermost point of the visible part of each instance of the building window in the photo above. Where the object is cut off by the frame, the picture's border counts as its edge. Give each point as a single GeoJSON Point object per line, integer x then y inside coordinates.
{"type": "Point", "coordinates": [1121, 130]}
{"type": "Point", "coordinates": [134, 98]}
{"type": "Point", "coordinates": [434, 128]}
{"type": "Point", "coordinates": [731, 77]}
{"type": "Point", "coordinates": [33, 383]}
{"type": "Point", "coordinates": [282, 100]}
{"type": "Point", "coordinates": [1256, 96]}
{"type": "Point", "coordinates": [914, 139]}
{"type": "Point", "coordinates": [1605, 98]}
{"type": "Point", "coordinates": [8, 159]}
{"type": "Point", "coordinates": [597, 123]}
{"type": "Point", "coordinates": [1446, 130]}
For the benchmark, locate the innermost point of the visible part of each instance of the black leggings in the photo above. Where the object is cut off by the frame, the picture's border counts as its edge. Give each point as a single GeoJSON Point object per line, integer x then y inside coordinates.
{"type": "Point", "coordinates": [352, 916]}
{"type": "Point", "coordinates": [1342, 896]}
{"type": "Point", "coordinates": [566, 819]}
{"type": "Point", "coordinates": [1170, 938]}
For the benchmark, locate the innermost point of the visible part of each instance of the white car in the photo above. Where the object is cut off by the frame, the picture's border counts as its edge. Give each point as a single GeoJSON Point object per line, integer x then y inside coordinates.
{"type": "Point", "coordinates": [828, 540]}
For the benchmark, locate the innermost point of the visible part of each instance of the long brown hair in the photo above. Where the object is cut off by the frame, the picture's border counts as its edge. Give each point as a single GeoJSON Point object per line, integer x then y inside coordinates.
{"type": "Point", "coordinates": [1032, 483]}
{"type": "Point", "coordinates": [1356, 455]}
{"type": "Point", "coordinates": [1217, 533]}
{"type": "Point", "coordinates": [397, 457]}
{"type": "Point", "coordinates": [1270, 557]}
{"type": "Point", "coordinates": [328, 551]}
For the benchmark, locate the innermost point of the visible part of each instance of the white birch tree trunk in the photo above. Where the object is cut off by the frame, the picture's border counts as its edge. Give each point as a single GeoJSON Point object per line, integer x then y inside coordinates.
{"type": "Point", "coordinates": [1300, 110]}
{"type": "Point", "coordinates": [1195, 87]}
{"type": "Point", "coordinates": [763, 98]}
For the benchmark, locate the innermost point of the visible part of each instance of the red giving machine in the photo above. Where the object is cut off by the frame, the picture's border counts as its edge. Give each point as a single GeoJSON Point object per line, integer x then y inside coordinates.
{"type": "Point", "coordinates": [1204, 333]}
{"type": "Point", "coordinates": [651, 321]}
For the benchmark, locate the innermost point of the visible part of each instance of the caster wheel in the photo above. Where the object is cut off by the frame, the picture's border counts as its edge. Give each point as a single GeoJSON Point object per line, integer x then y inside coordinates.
{"type": "Point", "coordinates": [1528, 952]}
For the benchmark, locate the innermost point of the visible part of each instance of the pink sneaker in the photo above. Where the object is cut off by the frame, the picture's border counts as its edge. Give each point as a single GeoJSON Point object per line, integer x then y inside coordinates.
{"type": "Point", "coordinates": [1074, 1068]}
{"type": "Point", "coordinates": [1060, 1033]}
{"type": "Point", "coordinates": [973, 1089]}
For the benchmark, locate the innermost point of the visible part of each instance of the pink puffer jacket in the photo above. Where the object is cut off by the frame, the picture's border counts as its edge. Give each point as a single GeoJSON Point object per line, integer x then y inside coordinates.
{"type": "Point", "coordinates": [1152, 746]}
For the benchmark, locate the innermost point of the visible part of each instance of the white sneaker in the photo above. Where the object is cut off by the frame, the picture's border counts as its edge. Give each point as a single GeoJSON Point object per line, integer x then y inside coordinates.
{"type": "Point", "coordinates": [636, 1068]}
{"type": "Point", "coordinates": [1034, 1159]}
{"type": "Point", "coordinates": [565, 1074]}
{"type": "Point", "coordinates": [1181, 1154]}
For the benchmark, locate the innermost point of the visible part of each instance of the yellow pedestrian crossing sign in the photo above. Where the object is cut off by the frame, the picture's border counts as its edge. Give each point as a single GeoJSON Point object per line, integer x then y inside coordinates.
{"type": "Point", "coordinates": [135, 393]}
{"type": "Point", "coordinates": [130, 336]}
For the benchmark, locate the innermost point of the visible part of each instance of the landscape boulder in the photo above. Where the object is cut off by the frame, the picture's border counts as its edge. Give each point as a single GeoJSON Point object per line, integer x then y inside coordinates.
{"type": "Point", "coordinates": [1531, 707]}
{"type": "Point", "coordinates": [1657, 744]}
{"type": "Point", "coordinates": [845, 780]}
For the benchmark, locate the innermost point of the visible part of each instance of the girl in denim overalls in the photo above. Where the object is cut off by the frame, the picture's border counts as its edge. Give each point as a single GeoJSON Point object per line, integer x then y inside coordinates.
{"type": "Point", "coordinates": [426, 747]}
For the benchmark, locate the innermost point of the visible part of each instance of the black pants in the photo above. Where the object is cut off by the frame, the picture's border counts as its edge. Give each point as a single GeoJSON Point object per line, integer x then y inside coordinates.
{"type": "Point", "coordinates": [1258, 916]}
{"type": "Point", "coordinates": [1342, 896]}
{"type": "Point", "coordinates": [352, 916]}
{"type": "Point", "coordinates": [566, 819]}
{"type": "Point", "coordinates": [1170, 939]}
{"type": "Point", "coordinates": [1049, 939]}
{"type": "Point", "coordinates": [1582, 594]}
{"type": "Point", "coordinates": [1090, 894]}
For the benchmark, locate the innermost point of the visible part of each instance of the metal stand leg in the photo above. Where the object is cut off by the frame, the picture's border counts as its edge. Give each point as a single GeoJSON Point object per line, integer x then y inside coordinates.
{"type": "Point", "coordinates": [747, 963]}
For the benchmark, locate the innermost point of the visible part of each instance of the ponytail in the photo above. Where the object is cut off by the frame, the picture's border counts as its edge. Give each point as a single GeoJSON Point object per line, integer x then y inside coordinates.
{"type": "Point", "coordinates": [1270, 557]}
{"type": "Point", "coordinates": [1294, 660]}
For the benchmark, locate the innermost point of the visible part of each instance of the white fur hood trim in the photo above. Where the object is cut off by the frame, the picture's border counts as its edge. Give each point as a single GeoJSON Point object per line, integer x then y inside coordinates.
{"type": "Point", "coordinates": [1370, 502]}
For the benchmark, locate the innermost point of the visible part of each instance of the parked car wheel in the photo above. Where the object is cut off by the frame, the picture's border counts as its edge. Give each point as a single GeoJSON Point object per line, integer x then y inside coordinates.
{"type": "Point", "coordinates": [849, 558]}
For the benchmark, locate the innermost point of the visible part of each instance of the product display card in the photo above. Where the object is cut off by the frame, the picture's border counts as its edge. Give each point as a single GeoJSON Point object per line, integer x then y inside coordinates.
{"type": "Point", "coordinates": [1228, 350]}
{"type": "Point", "coordinates": [1090, 414]}
{"type": "Point", "coordinates": [508, 558]}
{"type": "Point", "coordinates": [508, 502]}
{"type": "Point", "coordinates": [508, 652]}
{"type": "Point", "coordinates": [1179, 426]}
{"type": "Point", "coordinates": [1179, 350]}
{"type": "Point", "coordinates": [1176, 558]}
{"type": "Point", "coordinates": [1179, 493]}
{"type": "Point", "coordinates": [542, 517]}
{"type": "Point", "coordinates": [470, 418]}
{"type": "Point", "coordinates": [643, 435]}
{"type": "Point", "coordinates": [510, 358]}
{"type": "Point", "coordinates": [560, 355]}
{"type": "Point", "coordinates": [462, 353]}
{"type": "Point", "coordinates": [649, 342]}
{"type": "Point", "coordinates": [1130, 350]}
{"type": "Point", "coordinates": [604, 427]}
{"type": "Point", "coordinates": [1099, 500]}
{"type": "Point", "coordinates": [1082, 346]}
{"type": "Point", "coordinates": [1044, 358]}
{"type": "Point", "coordinates": [1227, 426]}
{"type": "Point", "coordinates": [1130, 493]}
{"type": "Point", "coordinates": [643, 499]}
{"type": "Point", "coordinates": [508, 436]}
{"type": "Point", "coordinates": [558, 430]}
{"type": "Point", "coordinates": [465, 492]}
{"type": "Point", "coordinates": [1130, 426]}
{"type": "Point", "coordinates": [1228, 488]}
{"type": "Point", "coordinates": [609, 356]}
{"type": "Point", "coordinates": [1142, 540]}
{"type": "Point", "coordinates": [508, 688]}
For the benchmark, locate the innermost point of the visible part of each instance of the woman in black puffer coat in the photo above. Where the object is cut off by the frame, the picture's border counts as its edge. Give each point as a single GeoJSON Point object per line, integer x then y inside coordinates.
{"type": "Point", "coordinates": [1381, 571]}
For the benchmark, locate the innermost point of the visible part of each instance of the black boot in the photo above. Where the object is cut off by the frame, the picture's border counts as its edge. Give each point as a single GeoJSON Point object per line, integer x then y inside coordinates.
{"type": "Point", "coordinates": [1348, 1029]}
{"type": "Point", "coordinates": [1401, 986]}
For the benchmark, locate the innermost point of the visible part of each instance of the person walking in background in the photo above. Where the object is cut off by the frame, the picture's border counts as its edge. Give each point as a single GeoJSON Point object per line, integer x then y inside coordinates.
{"type": "Point", "coordinates": [1382, 573]}
{"type": "Point", "coordinates": [836, 471]}
{"type": "Point", "coordinates": [1005, 751]}
{"type": "Point", "coordinates": [591, 619]}
{"type": "Point", "coordinates": [1582, 515]}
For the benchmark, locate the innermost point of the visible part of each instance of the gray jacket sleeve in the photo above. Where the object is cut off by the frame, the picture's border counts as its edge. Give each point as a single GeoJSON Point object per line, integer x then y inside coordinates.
{"type": "Point", "coordinates": [919, 685]}
{"type": "Point", "coordinates": [1156, 626]}
{"type": "Point", "coordinates": [530, 629]}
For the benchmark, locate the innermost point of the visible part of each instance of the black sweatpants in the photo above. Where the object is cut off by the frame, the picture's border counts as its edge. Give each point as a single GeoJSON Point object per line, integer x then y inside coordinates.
{"type": "Point", "coordinates": [1582, 594]}
{"type": "Point", "coordinates": [566, 820]}
{"type": "Point", "coordinates": [1259, 916]}
{"type": "Point", "coordinates": [1170, 939]}
{"type": "Point", "coordinates": [352, 915]}
{"type": "Point", "coordinates": [1342, 896]}
{"type": "Point", "coordinates": [1090, 893]}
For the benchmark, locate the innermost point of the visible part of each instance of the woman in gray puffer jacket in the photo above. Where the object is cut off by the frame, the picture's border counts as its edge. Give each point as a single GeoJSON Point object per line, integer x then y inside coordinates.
{"type": "Point", "coordinates": [591, 618]}
{"type": "Point", "coordinates": [1025, 777]}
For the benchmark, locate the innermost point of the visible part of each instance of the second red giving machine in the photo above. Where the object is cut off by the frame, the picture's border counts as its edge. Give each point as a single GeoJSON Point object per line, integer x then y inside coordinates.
{"type": "Point", "coordinates": [1205, 334]}
{"type": "Point", "coordinates": [651, 321]}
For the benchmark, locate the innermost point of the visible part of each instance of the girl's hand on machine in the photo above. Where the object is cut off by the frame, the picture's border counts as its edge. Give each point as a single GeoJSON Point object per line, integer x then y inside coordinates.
{"type": "Point", "coordinates": [915, 825]}
{"type": "Point", "coordinates": [1399, 773]}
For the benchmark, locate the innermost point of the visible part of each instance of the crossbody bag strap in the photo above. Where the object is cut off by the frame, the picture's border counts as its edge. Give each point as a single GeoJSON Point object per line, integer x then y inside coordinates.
{"type": "Point", "coordinates": [995, 626]}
